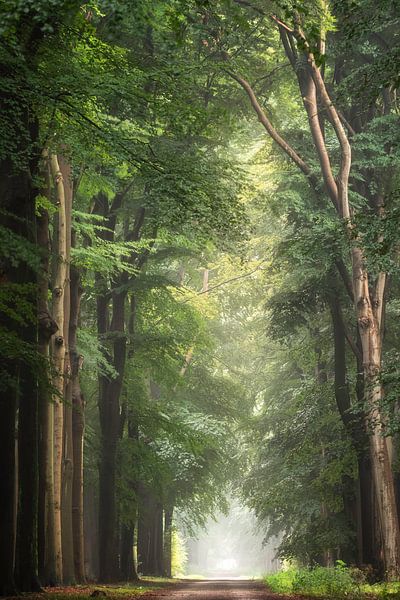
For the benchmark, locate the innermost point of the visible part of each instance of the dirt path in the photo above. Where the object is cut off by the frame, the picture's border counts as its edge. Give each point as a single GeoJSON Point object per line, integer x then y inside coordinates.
{"type": "Point", "coordinates": [229, 589]}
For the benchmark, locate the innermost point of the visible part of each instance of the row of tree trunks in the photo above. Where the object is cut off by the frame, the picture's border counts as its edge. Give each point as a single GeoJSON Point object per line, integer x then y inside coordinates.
{"type": "Point", "coordinates": [110, 389]}
{"type": "Point", "coordinates": [24, 390]}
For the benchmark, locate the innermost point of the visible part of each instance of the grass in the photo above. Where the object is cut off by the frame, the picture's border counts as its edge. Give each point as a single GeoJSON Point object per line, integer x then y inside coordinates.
{"type": "Point", "coordinates": [112, 592]}
{"type": "Point", "coordinates": [334, 583]}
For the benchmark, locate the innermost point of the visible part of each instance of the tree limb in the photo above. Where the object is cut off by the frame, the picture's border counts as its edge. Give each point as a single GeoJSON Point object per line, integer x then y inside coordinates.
{"type": "Point", "coordinates": [278, 139]}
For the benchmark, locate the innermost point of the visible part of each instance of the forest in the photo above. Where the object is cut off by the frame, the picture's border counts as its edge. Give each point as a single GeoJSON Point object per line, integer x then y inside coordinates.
{"type": "Point", "coordinates": [199, 285]}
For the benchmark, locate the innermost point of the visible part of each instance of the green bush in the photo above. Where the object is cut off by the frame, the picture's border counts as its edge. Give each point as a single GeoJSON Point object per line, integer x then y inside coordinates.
{"type": "Point", "coordinates": [332, 582]}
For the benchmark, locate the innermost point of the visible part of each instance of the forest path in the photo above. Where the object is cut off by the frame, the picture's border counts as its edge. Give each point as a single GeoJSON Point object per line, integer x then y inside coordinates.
{"type": "Point", "coordinates": [221, 589]}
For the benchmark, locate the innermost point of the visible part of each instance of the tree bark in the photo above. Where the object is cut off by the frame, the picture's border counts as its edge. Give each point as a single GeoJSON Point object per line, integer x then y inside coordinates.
{"type": "Point", "coordinates": [58, 356]}
{"type": "Point", "coordinates": [167, 561]}
{"type": "Point", "coordinates": [78, 428]}
{"type": "Point", "coordinates": [68, 458]}
{"type": "Point", "coordinates": [47, 328]}
{"type": "Point", "coordinates": [145, 523]}
{"type": "Point", "coordinates": [128, 569]}
{"type": "Point", "coordinates": [26, 566]}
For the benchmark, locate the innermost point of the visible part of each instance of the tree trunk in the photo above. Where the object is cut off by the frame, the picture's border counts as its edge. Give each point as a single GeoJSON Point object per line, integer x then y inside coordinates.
{"type": "Point", "coordinates": [7, 489]}
{"type": "Point", "coordinates": [369, 316]}
{"type": "Point", "coordinates": [68, 459]}
{"type": "Point", "coordinates": [168, 515]}
{"type": "Point", "coordinates": [78, 427]}
{"type": "Point", "coordinates": [128, 570]}
{"type": "Point", "coordinates": [26, 567]}
{"type": "Point", "coordinates": [58, 356]}
{"type": "Point", "coordinates": [91, 527]}
{"type": "Point", "coordinates": [47, 328]}
{"type": "Point", "coordinates": [158, 541]}
{"type": "Point", "coordinates": [110, 391]}
{"type": "Point", "coordinates": [18, 203]}
{"type": "Point", "coordinates": [145, 513]}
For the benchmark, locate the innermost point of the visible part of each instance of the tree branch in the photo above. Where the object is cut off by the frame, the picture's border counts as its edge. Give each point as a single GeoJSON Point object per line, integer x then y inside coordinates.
{"type": "Point", "coordinates": [344, 274]}
{"type": "Point", "coordinates": [278, 139]}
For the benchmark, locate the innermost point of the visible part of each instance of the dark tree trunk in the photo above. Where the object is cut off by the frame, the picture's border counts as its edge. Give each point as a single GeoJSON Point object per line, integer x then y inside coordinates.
{"type": "Point", "coordinates": [47, 327]}
{"type": "Point", "coordinates": [23, 197]}
{"type": "Point", "coordinates": [78, 427]}
{"type": "Point", "coordinates": [27, 558]}
{"type": "Point", "coordinates": [128, 568]}
{"type": "Point", "coordinates": [7, 486]}
{"type": "Point", "coordinates": [354, 424]}
{"type": "Point", "coordinates": [109, 408]}
{"type": "Point", "coordinates": [150, 535]}
{"type": "Point", "coordinates": [91, 529]}
{"type": "Point", "coordinates": [159, 541]}
{"type": "Point", "coordinates": [18, 378]}
{"type": "Point", "coordinates": [168, 515]}
{"type": "Point", "coordinates": [145, 524]}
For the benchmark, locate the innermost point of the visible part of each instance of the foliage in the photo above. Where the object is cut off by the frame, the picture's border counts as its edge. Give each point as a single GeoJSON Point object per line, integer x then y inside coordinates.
{"type": "Point", "coordinates": [335, 582]}
{"type": "Point", "coordinates": [179, 554]}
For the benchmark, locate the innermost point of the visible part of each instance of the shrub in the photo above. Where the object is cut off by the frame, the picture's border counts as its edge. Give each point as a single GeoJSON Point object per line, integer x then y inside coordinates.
{"type": "Point", "coordinates": [334, 582]}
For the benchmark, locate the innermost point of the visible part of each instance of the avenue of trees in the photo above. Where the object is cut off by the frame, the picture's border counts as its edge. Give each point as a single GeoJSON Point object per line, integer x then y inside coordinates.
{"type": "Point", "coordinates": [199, 293]}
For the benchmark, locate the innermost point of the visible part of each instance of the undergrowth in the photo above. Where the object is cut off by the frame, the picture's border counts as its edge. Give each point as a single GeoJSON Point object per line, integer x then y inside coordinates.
{"type": "Point", "coordinates": [336, 582]}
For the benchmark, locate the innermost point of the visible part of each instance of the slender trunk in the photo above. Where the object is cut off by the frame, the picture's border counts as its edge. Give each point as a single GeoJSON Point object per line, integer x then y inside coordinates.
{"type": "Point", "coordinates": [58, 355]}
{"type": "Point", "coordinates": [168, 515]}
{"type": "Point", "coordinates": [47, 328]}
{"type": "Point", "coordinates": [78, 427]}
{"type": "Point", "coordinates": [68, 459]}
{"type": "Point", "coordinates": [158, 541]}
{"type": "Point", "coordinates": [7, 488]}
{"type": "Point", "coordinates": [91, 527]}
{"type": "Point", "coordinates": [109, 420]}
{"type": "Point", "coordinates": [145, 512]}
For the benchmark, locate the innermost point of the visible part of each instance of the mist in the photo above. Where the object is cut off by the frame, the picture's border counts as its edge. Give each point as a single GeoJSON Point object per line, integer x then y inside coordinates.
{"type": "Point", "coordinates": [230, 546]}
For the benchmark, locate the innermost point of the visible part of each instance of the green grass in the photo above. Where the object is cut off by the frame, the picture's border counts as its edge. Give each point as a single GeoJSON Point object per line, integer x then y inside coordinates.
{"type": "Point", "coordinates": [338, 582]}
{"type": "Point", "coordinates": [384, 591]}
{"type": "Point", "coordinates": [112, 592]}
